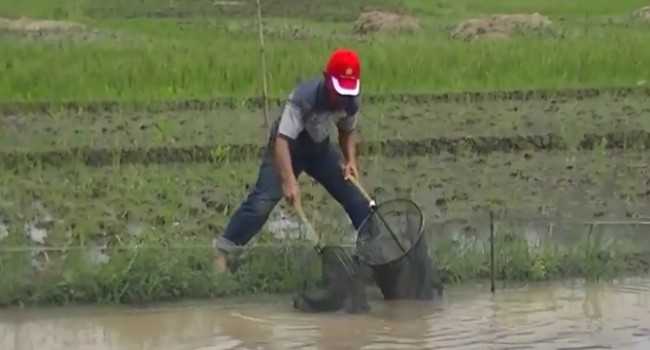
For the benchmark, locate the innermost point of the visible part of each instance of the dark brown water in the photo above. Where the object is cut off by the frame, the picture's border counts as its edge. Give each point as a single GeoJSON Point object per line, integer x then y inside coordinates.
{"type": "Point", "coordinates": [559, 315]}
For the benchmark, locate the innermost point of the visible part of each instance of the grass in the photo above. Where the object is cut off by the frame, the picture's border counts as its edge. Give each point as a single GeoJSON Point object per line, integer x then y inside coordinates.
{"type": "Point", "coordinates": [157, 223]}
{"type": "Point", "coordinates": [578, 8]}
{"type": "Point", "coordinates": [192, 202]}
{"type": "Point", "coordinates": [154, 273]}
{"type": "Point", "coordinates": [329, 10]}
{"type": "Point", "coordinates": [144, 274]}
{"type": "Point", "coordinates": [152, 59]}
{"type": "Point", "coordinates": [569, 119]}
{"type": "Point", "coordinates": [517, 260]}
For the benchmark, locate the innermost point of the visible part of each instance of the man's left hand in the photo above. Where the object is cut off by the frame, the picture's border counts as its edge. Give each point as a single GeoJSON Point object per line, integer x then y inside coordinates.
{"type": "Point", "coordinates": [350, 170]}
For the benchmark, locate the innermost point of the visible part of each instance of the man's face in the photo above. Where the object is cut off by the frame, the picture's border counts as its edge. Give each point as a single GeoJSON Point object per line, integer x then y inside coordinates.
{"type": "Point", "coordinates": [336, 101]}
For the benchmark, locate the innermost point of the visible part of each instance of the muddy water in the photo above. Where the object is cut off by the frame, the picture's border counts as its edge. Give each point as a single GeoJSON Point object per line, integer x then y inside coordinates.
{"type": "Point", "coordinates": [560, 315]}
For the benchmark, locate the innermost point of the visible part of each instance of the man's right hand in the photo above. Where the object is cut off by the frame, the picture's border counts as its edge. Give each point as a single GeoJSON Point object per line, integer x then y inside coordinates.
{"type": "Point", "coordinates": [291, 191]}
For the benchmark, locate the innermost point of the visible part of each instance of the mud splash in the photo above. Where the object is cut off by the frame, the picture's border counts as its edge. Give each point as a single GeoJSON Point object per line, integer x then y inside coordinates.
{"type": "Point", "coordinates": [560, 315]}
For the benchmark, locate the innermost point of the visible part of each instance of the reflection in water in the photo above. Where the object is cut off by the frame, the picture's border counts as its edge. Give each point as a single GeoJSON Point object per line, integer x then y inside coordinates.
{"type": "Point", "coordinates": [537, 316]}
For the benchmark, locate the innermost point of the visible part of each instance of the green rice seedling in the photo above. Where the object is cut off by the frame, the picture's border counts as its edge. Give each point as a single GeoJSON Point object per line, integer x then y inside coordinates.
{"type": "Point", "coordinates": [164, 60]}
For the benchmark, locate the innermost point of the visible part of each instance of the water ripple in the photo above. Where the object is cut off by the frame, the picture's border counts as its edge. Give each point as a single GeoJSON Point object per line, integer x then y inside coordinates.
{"type": "Point", "coordinates": [539, 316]}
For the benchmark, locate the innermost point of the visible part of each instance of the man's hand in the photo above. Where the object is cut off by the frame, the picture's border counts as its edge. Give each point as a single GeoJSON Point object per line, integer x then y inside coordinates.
{"type": "Point", "coordinates": [291, 191]}
{"type": "Point", "coordinates": [350, 170]}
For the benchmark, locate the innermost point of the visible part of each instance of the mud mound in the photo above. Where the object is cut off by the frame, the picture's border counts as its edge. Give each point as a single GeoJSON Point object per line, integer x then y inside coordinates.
{"type": "Point", "coordinates": [643, 14]}
{"type": "Point", "coordinates": [379, 21]}
{"type": "Point", "coordinates": [29, 28]}
{"type": "Point", "coordinates": [28, 25]}
{"type": "Point", "coordinates": [502, 26]}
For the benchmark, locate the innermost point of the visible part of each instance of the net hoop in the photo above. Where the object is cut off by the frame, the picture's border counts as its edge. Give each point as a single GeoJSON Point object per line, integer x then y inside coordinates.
{"type": "Point", "coordinates": [366, 244]}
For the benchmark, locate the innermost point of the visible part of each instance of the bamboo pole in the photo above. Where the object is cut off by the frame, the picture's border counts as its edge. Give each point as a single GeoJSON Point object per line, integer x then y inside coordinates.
{"type": "Point", "coordinates": [492, 252]}
{"type": "Point", "coordinates": [263, 59]}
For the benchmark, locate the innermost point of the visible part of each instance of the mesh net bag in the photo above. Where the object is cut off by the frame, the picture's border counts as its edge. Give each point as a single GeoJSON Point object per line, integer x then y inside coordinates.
{"type": "Point", "coordinates": [389, 232]}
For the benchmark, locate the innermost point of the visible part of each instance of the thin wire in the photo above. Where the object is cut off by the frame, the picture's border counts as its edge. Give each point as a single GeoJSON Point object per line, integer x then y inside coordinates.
{"type": "Point", "coordinates": [21, 249]}
{"type": "Point", "coordinates": [391, 233]}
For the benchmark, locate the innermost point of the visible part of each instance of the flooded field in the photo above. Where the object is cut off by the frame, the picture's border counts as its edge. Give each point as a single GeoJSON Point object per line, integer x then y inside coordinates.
{"type": "Point", "coordinates": [549, 315]}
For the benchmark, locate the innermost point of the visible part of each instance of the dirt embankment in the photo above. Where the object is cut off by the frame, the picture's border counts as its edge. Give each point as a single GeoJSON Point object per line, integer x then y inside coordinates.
{"type": "Point", "coordinates": [642, 14]}
{"type": "Point", "coordinates": [502, 27]}
{"type": "Point", "coordinates": [29, 25]}
{"type": "Point", "coordinates": [631, 140]}
{"type": "Point", "coordinates": [40, 29]}
{"type": "Point", "coordinates": [385, 22]}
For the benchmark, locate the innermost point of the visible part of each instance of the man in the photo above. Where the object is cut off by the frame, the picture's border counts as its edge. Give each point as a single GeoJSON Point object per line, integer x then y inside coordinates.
{"type": "Point", "coordinates": [299, 142]}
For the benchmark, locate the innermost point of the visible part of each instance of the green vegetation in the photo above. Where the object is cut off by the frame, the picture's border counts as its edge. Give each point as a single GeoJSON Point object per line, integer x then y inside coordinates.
{"type": "Point", "coordinates": [517, 260]}
{"type": "Point", "coordinates": [141, 53]}
{"type": "Point", "coordinates": [331, 10]}
{"type": "Point", "coordinates": [150, 272]}
{"type": "Point", "coordinates": [146, 271]}
{"type": "Point", "coordinates": [567, 118]}
{"type": "Point", "coordinates": [569, 9]}
{"type": "Point", "coordinates": [156, 223]}
{"type": "Point", "coordinates": [192, 201]}
{"type": "Point", "coordinates": [140, 232]}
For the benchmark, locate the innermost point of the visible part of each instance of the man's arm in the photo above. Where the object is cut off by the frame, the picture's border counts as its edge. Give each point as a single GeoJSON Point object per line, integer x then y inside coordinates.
{"type": "Point", "coordinates": [282, 158]}
{"type": "Point", "coordinates": [290, 126]}
{"type": "Point", "coordinates": [347, 141]}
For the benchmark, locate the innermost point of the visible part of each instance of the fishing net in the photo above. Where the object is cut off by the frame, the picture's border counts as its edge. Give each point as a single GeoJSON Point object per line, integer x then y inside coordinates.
{"type": "Point", "coordinates": [391, 230]}
{"type": "Point", "coordinates": [389, 249]}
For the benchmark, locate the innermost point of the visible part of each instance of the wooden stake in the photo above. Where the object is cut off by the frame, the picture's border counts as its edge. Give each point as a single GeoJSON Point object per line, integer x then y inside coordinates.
{"type": "Point", "coordinates": [491, 251]}
{"type": "Point", "coordinates": [263, 59]}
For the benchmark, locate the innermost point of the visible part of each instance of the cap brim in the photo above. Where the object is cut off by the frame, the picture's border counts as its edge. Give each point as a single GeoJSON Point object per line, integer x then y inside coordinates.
{"type": "Point", "coordinates": [346, 87]}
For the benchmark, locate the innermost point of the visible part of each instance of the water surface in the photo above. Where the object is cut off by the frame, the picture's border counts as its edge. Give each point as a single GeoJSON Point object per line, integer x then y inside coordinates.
{"type": "Point", "coordinates": [557, 315]}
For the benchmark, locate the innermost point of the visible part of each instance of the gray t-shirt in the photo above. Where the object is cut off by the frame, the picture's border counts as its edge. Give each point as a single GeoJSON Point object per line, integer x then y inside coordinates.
{"type": "Point", "coordinates": [307, 109]}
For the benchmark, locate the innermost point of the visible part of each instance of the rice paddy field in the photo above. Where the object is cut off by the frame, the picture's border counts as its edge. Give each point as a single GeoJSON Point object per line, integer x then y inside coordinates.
{"type": "Point", "coordinates": [155, 50]}
{"type": "Point", "coordinates": [131, 130]}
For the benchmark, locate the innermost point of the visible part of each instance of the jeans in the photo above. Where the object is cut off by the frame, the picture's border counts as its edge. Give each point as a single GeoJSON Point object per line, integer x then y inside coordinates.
{"type": "Point", "coordinates": [322, 161]}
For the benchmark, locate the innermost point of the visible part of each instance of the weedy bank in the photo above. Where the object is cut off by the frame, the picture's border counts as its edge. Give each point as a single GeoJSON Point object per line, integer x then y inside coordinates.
{"type": "Point", "coordinates": [131, 233]}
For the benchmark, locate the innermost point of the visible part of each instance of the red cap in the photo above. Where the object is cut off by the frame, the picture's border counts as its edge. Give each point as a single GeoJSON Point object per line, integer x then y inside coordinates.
{"type": "Point", "coordinates": [344, 69]}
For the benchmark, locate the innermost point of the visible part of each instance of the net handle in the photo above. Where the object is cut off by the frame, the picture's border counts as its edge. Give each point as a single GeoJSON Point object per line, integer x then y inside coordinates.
{"type": "Point", "coordinates": [310, 229]}
{"type": "Point", "coordinates": [358, 185]}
